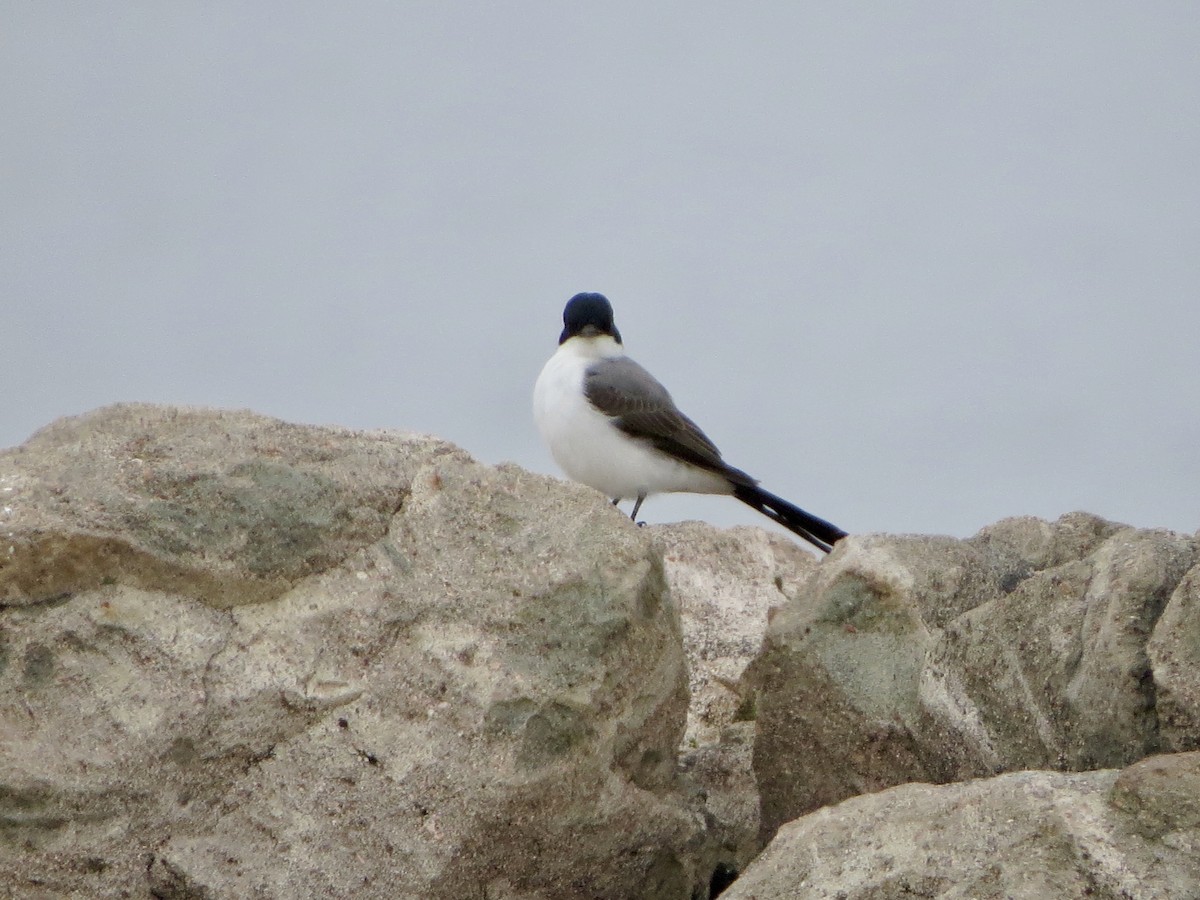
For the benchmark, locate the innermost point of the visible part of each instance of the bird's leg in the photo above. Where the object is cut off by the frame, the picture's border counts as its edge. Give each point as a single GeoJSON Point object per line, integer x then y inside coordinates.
{"type": "Point", "coordinates": [637, 504]}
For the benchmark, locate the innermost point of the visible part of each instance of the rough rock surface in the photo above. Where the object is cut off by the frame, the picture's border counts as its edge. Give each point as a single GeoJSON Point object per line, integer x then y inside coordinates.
{"type": "Point", "coordinates": [726, 583]}
{"type": "Point", "coordinates": [240, 658]}
{"type": "Point", "coordinates": [1028, 646]}
{"type": "Point", "coordinates": [1174, 651]}
{"type": "Point", "coordinates": [1023, 836]}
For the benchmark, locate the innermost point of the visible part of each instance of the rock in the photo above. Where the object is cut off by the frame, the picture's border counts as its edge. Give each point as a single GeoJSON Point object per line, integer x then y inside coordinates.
{"type": "Point", "coordinates": [1055, 674]}
{"type": "Point", "coordinates": [1161, 796]}
{"type": "Point", "coordinates": [1174, 653]}
{"type": "Point", "coordinates": [1025, 835]}
{"type": "Point", "coordinates": [1024, 544]}
{"type": "Point", "coordinates": [244, 658]}
{"type": "Point", "coordinates": [210, 504]}
{"type": "Point", "coordinates": [933, 659]}
{"type": "Point", "coordinates": [723, 775]}
{"type": "Point", "coordinates": [838, 677]}
{"type": "Point", "coordinates": [726, 583]}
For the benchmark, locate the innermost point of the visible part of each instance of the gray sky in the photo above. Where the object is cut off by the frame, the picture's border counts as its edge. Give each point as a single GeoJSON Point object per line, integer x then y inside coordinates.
{"type": "Point", "coordinates": [917, 266]}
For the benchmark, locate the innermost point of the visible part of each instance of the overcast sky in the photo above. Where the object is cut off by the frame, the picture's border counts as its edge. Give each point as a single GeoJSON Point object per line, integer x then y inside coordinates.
{"type": "Point", "coordinates": [917, 266]}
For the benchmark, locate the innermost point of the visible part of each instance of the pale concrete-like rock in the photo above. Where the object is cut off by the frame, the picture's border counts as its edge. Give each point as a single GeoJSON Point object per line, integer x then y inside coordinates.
{"type": "Point", "coordinates": [240, 658]}
{"type": "Point", "coordinates": [193, 503]}
{"type": "Point", "coordinates": [839, 674]}
{"type": "Point", "coordinates": [933, 659]}
{"type": "Point", "coordinates": [1022, 836]}
{"type": "Point", "coordinates": [1174, 651]}
{"type": "Point", "coordinates": [1055, 674]}
{"type": "Point", "coordinates": [726, 583]}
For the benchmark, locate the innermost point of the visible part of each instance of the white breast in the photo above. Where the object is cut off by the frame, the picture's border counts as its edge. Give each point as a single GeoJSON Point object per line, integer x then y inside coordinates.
{"type": "Point", "coordinates": [587, 446]}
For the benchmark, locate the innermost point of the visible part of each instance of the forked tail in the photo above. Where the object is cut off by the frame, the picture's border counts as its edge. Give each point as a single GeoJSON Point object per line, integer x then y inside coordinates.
{"type": "Point", "coordinates": [816, 531]}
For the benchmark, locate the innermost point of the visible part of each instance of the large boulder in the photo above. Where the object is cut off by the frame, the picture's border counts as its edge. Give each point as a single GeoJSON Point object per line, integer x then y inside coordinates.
{"type": "Point", "coordinates": [1174, 652]}
{"type": "Point", "coordinates": [243, 658]}
{"type": "Point", "coordinates": [932, 659]}
{"type": "Point", "coordinates": [1021, 836]}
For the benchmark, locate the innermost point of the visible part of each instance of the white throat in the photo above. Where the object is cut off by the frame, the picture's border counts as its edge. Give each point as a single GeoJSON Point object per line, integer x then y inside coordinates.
{"type": "Point", "coordinates": [601, 346]}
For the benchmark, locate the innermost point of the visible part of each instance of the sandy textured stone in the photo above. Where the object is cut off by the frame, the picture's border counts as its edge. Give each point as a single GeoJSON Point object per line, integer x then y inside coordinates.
{"type": "Point", "coordinates": [1161, 795]}
{"type": "Point", "coordinates": [726, 583]}
{"type": "Point", "coordinates": [214, 504]}
{"type": "Point", "coordinates": [1020, 836]}
{"type": "Point", "coordinates": [932, 659]}
{"type": "Point", "coordinates": [1055, 674]}
{"type": "Point", "coordinates": [242, 658]}
{"type": "Point", "coordinates": [275, 661]}
{"type": "Point", "coordinates": [839, 677]}
{"type": "Point", "coordinates": [1023, 545]}
{"type": "Point", "coordinates": [1174, 652]}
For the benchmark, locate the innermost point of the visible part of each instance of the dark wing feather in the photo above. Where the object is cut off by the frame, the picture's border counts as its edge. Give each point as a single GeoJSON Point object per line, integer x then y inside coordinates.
{"type": "Point", "coordinates": [643, 409]}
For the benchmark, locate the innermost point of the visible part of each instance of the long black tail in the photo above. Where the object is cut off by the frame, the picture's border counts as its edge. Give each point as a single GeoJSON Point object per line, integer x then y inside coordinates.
{"type": "Point", "coordinates": [816, 531]}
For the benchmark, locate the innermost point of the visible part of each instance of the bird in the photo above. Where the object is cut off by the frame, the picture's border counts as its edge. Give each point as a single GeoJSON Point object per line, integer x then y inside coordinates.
{"type": "Point", "coordinates": [611, 425]}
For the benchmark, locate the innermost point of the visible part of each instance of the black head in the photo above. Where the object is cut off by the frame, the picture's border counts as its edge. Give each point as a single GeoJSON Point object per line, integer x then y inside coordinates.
{"type": "Point", "coordinates": [588, 315]}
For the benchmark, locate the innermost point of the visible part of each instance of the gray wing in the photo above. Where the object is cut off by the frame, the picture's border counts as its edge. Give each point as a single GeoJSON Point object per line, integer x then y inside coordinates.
{"type": "Point", "coordinates": [643, 409]}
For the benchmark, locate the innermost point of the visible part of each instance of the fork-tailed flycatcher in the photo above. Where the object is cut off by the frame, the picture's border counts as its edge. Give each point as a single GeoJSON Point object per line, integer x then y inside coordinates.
{"type": "Point", "coordinates": [610, 425]}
